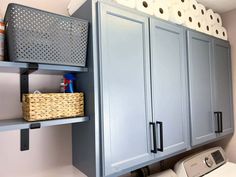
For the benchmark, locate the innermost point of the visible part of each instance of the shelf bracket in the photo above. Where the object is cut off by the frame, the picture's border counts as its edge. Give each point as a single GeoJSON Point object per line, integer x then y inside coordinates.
{"type": "Point", "coordinates": [24, 89]}
{"type": "Point", "coordinates": [24, 78]}
{"type": "Point", "coordinates": [24, 139]}
{"type": "Point", "coordinates": [24, 136]}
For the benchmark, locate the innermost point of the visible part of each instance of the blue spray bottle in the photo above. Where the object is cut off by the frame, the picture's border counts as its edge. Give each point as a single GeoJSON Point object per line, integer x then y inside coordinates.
{"type": "Point", "coordinates": [69, 83]}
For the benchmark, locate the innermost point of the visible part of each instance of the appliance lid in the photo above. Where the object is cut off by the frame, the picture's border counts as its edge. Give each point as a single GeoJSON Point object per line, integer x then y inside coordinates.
{"type": "Point", "coordinates": [167, 173]}
{"type": "Point", "coordinates": [227, 170]}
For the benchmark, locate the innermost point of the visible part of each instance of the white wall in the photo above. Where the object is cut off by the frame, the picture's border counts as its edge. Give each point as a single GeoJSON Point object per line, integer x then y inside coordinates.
{"type": "Point", "coordinates": [55, 6]}
{"type": "Point", "coordinates": [229, 23]}
{"type": "Point", "coordinates": [49, 147]}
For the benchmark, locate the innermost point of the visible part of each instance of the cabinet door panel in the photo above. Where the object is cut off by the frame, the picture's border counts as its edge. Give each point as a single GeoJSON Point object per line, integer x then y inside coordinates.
{"type": "Point", "coordinates": [222, 84]}
{"type": "Point", "coordinates": [125, 88]}
{"type": "Point", "coordinates": [169, 85]}
{"type": "Point", "coordinates": [200, 81]}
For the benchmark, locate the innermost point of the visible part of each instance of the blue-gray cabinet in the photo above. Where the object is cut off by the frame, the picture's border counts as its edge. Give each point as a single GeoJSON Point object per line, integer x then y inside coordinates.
{"type": "Point", "coordinates": [209, 88]}
{"type": "Point", "coordinates": [200, 87]}
{"type": "Point", "coordinates": [125, 89]}
{"type": "Point", "coordinates": [222, 87]}
{"type": "Point", "coordinates": [169, 86]}
{"type": "Point", "coordinates": [137, 76]}
{"type": "Point", "coordinates": [144, 97]}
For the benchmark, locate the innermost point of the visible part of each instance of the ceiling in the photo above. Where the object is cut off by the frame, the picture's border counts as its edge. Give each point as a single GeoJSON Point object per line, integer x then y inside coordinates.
{"type": "Point", "coordinates": [220, 6]}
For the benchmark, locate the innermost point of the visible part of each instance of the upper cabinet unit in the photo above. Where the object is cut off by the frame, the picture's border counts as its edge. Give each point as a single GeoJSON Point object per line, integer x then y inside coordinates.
{"type": "Point", "coordinates": [210, 87]}
{"type": "Point", "coordinates": [159, 89]}
{"type": "Point", "coordinates": [169, 86]}
{"type": "Point", "coordinates": [144, 97]}
{"type": "Point", "coordinates": [125, 89]}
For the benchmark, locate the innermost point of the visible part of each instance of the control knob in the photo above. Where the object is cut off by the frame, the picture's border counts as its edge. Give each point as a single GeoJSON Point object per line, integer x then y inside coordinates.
{"type": "Point", "coordinates": [209, 162]}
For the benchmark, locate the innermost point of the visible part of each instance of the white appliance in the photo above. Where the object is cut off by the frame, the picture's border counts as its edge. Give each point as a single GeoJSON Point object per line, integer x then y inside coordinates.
{"type": "Point", "coordinates": [167, 173]}
{"type": "Point", "coordinates": [209, 163]}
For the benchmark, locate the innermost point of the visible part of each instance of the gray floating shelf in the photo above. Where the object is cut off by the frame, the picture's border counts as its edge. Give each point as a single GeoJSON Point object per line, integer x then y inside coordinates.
{"type": "Point", "coordinates": [18, 124]}
{"type": "Point", "coordinates": [15, 67]}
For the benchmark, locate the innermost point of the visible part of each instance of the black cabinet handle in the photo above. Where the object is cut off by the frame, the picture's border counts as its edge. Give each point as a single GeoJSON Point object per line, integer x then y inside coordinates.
{"type": "Point", "coordinates": [221, 122]}
{"type": "Point", "coordinates": [219, 119]}
{"type": "Point", "coordinates": [152, 124]}
{"type": "Point", "coordinates": [161, 148]}
{"type": "Point", "coordinates": [217, 115]}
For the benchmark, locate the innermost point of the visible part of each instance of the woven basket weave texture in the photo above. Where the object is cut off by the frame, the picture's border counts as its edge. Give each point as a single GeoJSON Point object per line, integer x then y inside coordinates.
{"type": "Point", "coordinates": [38, 107]}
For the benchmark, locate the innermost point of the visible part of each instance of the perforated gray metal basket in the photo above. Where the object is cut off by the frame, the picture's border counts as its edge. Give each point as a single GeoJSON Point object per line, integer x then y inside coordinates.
{"type": "Point", "coordinates": [37, 36]}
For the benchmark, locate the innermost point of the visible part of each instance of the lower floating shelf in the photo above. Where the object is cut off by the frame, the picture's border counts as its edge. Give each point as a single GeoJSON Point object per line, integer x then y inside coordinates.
{"type": "Point", "coordinates": [18, 124]}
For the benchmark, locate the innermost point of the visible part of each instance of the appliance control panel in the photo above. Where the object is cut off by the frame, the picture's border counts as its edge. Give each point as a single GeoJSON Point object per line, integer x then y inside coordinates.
{"type": "Point", "coordinates": [201, 163]}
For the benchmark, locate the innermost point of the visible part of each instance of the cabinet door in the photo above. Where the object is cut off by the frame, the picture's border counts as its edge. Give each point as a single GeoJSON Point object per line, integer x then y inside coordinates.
{"type": "Point", "coordinates": [169, 85]}
{"type": "Point", "coordinates": [200, 83]}
{"type": "Point", "coordinates": [125, 88]}
{"type": "Point", "coordinates": [222, 85]}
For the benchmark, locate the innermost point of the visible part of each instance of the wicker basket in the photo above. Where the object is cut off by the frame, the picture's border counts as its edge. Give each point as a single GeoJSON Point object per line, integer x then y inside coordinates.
{"type": "Point", "coordinates": [38, 107]}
